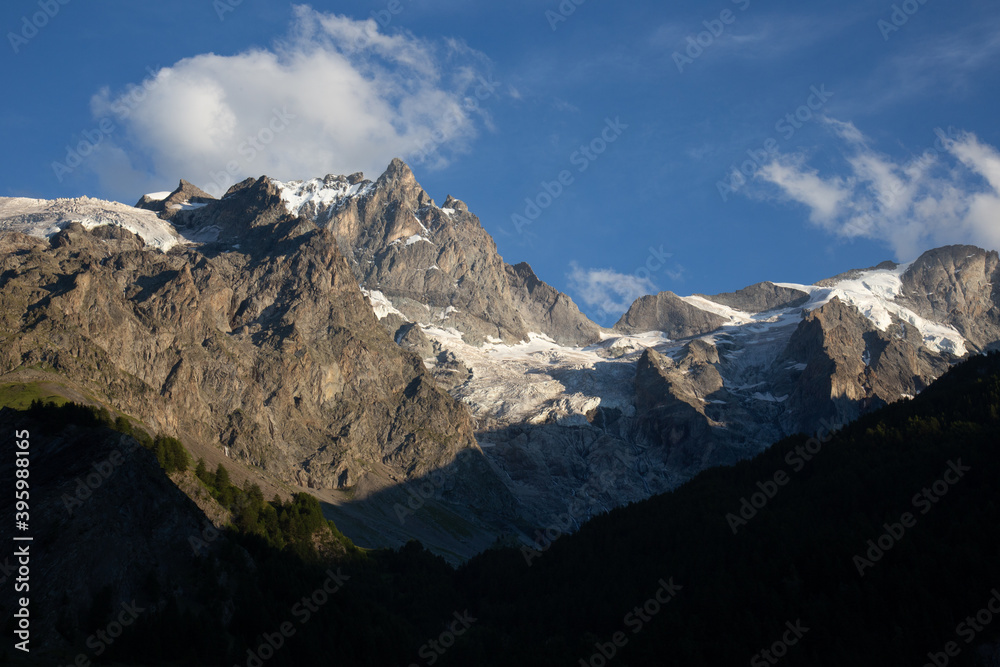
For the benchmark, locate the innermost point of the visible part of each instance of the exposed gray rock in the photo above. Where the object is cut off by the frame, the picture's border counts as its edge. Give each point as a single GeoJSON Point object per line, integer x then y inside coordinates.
{"type": "Point", "coordinates": [545, 309]}
{"type": "Point", "coordinates": [270, 353]}
{"type": "Point", "coordinates": [259, 341]}
{"type": "Point", "coordinates": [958, 285]}
{"type": "Point", "coordinates": [457, 204]}
{"type": "Point", "coordinates": [186, 197]}
{"type": "Point", "coordinates": [671, 400]}
{"type": "Point", "coordinates": [851, 367]}
{"type": "Point", "coordinates": [439, 266]}
{"type": "Point", "coordinates": [697, 402]}
{"type": "Point", "coordinates": [668, 313]}
{"type": "Point", "coordinates": [411, 337]}
{"type": "Point", "coordinates": [760, 298]}
{"type": "Point", "coordinates": [449, 371]}
{"type": "Point", "coordinates": [392, 323]}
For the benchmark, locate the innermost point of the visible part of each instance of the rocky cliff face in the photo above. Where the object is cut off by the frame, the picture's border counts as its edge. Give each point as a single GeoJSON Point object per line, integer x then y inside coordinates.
{"type": "Point", "coordinates": [851, 367]}
{"type": "Point", "coordinates": [259, 343]}
{"type": "Point", "coordinates": [958, 286]}
{"type": "Point", "coordinates": [761, 298]}
{"type": "Point", "coordinates": [436, 265]}
{"type": "Point", "coordinates": [671, 402]}
{"type": "Point", "coordinates": [668, 313]}
{"type": "Point", "coordinates": [797, 358]}
{"type": "Point", "coordinates": [685, 383]}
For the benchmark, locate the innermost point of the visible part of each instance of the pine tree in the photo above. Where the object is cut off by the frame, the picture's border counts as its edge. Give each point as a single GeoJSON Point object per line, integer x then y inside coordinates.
{"type": "Point", "coordinates": [201, 471]}
{"type": "Point", "coordinates": [222, 482]}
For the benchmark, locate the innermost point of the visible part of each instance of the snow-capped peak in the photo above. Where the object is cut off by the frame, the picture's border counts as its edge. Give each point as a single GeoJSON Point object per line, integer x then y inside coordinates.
{"type": "Point", "coordinates": [316, 197]}
{"type": "Point", "coordinates": [874, 294]}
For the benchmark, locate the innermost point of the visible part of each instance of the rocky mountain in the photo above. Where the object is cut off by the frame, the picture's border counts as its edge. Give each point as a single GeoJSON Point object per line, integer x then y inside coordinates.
{"type": "Point", "coordinates": [686, 383]}
{"type": "Point", "coordinates": [353, 338]}
{"type": "Point", "coordinates": [958, 287]}
{"type": "Point", "coordinates": [670, 314]}
{"type": "Point", "coordinates": [434, 265]}
{"type": "Point", "coordinates": [187, 197]}
{"type": "Point", "coordinates": [266, 351]}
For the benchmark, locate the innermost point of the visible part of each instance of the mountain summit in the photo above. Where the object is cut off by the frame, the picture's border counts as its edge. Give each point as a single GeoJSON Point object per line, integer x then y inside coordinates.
{"type": "Point", "coordinates": [434, 265]}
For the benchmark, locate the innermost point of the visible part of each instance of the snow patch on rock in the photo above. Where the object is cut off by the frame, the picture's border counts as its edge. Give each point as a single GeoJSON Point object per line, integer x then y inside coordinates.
{"type": "Point", "coordinates": [381, 305]}
{"type": "Point", "coordinates": [44, 218]}
{"type": "Point", "coordinates": [874, 294]}
{"type": "Point", "coordinates": [315, 197]}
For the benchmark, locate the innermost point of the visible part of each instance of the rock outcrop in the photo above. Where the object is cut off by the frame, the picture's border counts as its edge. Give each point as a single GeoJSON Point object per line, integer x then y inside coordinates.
{"type": "Point", "coordinates": [186, 197]}
{"type": "Point", "coordinates": [761, 298]}
{"type": "Point", "coordinates": [437, 265]}
{"type": "Point", "coordinates": [960, 286]}
{"type": "Point", "coordinates": [668, 313]}
{"type": "Point", "coordinates": [268, 351]}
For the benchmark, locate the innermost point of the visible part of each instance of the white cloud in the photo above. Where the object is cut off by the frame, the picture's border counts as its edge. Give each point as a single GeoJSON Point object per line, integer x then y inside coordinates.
{"type": "Point", "coordinates": [347, 98]}
{"type": "Point", "coordinates": [824, 197]}
{"type": "Point", "coordinates": [607, 290]}
{"type": "Point", "coordinates": [949, 194]}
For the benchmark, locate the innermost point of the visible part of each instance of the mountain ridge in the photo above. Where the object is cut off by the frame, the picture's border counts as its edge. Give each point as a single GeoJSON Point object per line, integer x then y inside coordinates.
{"type": "Point", "coordinates": [555, 406]}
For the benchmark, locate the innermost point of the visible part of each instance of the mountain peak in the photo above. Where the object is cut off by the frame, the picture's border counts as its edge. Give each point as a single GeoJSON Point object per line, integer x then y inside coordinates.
{"type": "Point", "coordinates": [191, 190]}
{"type": "Point", "coordinates": [398, 171]}
{"type": "Point", "coordinates": [457, 204]}
{"type": "Point", "coordinates": [185, 197]}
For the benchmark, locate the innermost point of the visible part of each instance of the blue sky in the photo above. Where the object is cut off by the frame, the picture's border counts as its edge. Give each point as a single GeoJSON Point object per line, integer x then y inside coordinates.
{"type": "Point", "coordinates": [866, 131]}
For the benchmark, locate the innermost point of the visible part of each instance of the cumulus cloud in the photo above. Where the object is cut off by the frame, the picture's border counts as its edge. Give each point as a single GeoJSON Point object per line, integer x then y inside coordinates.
{"type": "Point", "coordinates": [610, 292]}
{"type": "Point", "coordinates": [334, 96]}
{"type": "Point", "coordinates": [948, 194]}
